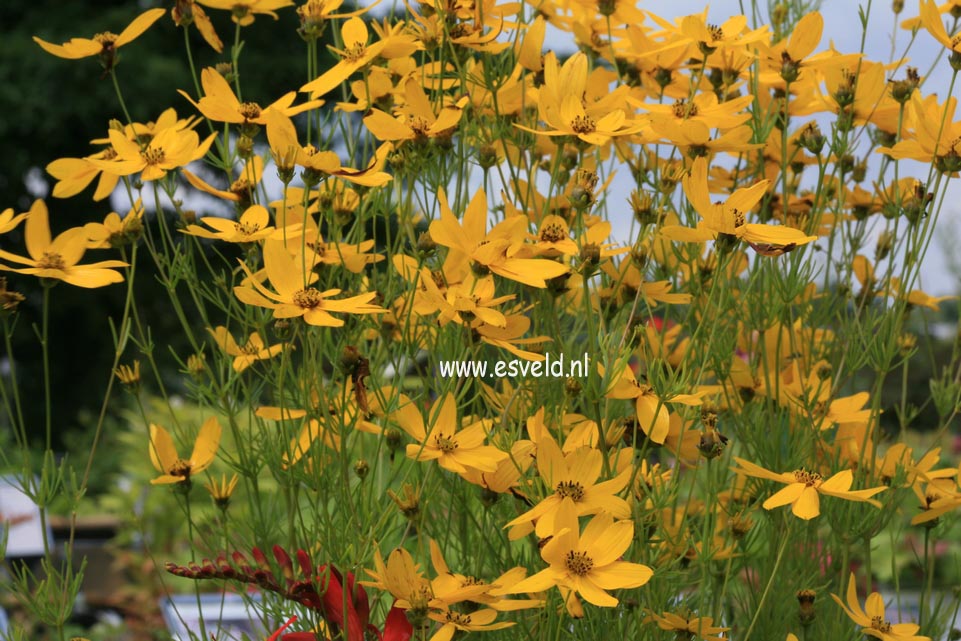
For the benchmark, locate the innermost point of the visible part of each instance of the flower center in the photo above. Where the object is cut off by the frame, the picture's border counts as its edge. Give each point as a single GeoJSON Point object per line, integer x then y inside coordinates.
{"type": "Point", "coordinates": [739, 219]}
{"type": "Point", "coordinates": [180, 467]}
{"type": "Point", "coordinates": [583, 124]}
{"type": "Point", "coordinates": [418, 124]}
{"type": "Point", "coordinates": [105, 39]}
{"type": "Point", "coordinates": [445, 444]}
{"type": "Point", "coordinates": [570, 489]}
{"type": "Point", "coordinates": [879, 624]}
{"type": "Point", "coordinates": [808, 478]}
{"type": "Point", "coordinates": [458, 619]}
{"type": "Point", "coordinates": [249, 110]}
{"type": "Point", "coordinates": [716, 32]}
{"type": "Point", "coordinates": [355, 52]}
{"type": "Point", "coordinates": [578, 563]}
{"type": "Point", "coordinates": [247, 229]}
{"type": "Point", "coordinates": [684, 109]}
{"type": "Point", "coordinates": [51, 260]}
{"type": "Point", "coordinates": [552, 233]}
{"type": "Point", "coordinates": [308, 298]}
{"type": "Point", "coordinates": [153, 155]}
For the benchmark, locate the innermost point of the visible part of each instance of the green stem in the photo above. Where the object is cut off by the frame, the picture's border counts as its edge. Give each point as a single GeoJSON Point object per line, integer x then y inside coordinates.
{"type": "Point", "coordinates": [767, 588]}
{"type": "Point", "coordinates": [123, 105]}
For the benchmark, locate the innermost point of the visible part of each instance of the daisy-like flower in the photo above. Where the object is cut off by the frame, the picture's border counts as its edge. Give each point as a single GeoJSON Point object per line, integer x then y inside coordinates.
{"type": "Point", "coordinates": [186, 13]}
{"type": "Point", "coordinates": [933, 24]}
{"type": "Point", "coordinates": [172, 468]}
{"type": "Point", "coordinates": [653, 416]}
{"type": "Point", "coordinates": [243, 11]}
{"type": "Point", "coordinates": [587, 564]}
{"type": "Point", "coordinates": [574, 479]}
{"type": "Point", "coordinates": [416, 120]}
{"type": "Point", "coordinates": [293, 296]}
{"type": "Point", "coordinates": [454, 447]}
{"type": "Point", "coordinates": [871, 616]}
{"type": "Point", "coordinates": [115, 231]}
{"type": "Point", "coordinates": [58, 258]}
{"type": "Point", "coordinates": [252, 351]}
{"type": "Point", "coordinates": [452, 621]}
{"type": "Point", "coordinates": [103, 44]}
{"type": "Point", "coordinates": [357, 54]}
{"type": "Point", "coordinates": [252, 226]}
{"type": "Point", "coordinates": [170, 149]}
{"type": "Point", "coordinates": [804, 489]}
{"type": "Point", "coordinates": [687, 626]}
{"type": "Point", "coordinates": [727, 220]}
{"type": "Point", "coordinates": [287, 153]}
{"type": "Point", "coordinates": [220, 103]}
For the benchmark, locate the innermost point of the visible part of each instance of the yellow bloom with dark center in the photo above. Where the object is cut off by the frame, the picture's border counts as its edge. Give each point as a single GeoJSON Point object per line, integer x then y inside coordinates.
{"type": "Point", "coordinates": [243, 12]}
{"type": "Point", "coordinates": [220, 103]}
{"type": "Point", "coordinates": [729, 219]}
{"type": "Point", "coordinates": [653, 415]}
{"type": "Point", "coordinates": [115, 231]}
{"type": "Point", "coordinates": [166, 460]}
{"type": "Point", "coordinates": [871, 617]}
{"type": "Point", "coordinates": [573, 478]}
{"type": "Point", "coordinates": [103, 44]}
{"type": "Point", "coordinates": [805, 487]}
{"type": "Point", "coordinates": [252, 226]}
{"type": "Point", "coordinates": [59, 258]}
{"type": "Point", "coordinates": [403, 579]}
{"type": "Point", "coordinates": [294, 297]}
{"type": "Point", "coordinates": [222, 490]}
{"type": "Point", "coordinates": [687, 626]}
{"type": "Point", "coordinates": [933, 24]}
{"type": "Point", "coordinates": [244, 356]}
{"type": "Point", "coordinates": [454, 446]}
{"type": "Point", "coordinates": [452, 621]}
{"type": "Point", "coordinates": [357, 53]}
{"type": "Point", "coordinates": [587, 563]}
{"type": "Point", "coordinates": [170, 149]}
{"type": "Point", "coordinates": [496, 251]}
{"type": "Point", "coordinates": [416, 120]}
{"type": "Point", "coordinates": [288, 153]}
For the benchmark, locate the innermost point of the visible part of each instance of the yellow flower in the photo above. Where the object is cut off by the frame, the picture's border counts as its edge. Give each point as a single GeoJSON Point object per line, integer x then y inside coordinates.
{"type": "Point", "coordinates": [871, 617]}
{"type": "Point", "coordinates": [103, 44]}
{"type": "Point", "coordinates": [804, 487]}
{"type": "Point", "coordinates": [498, 250]}
{"type": "Point", "coordinates": [653, 416]}
{"type": "Point", "coordinates": [727, 220]}
{"type": "Point", "coordinates": [243, 11]}
{"type": "Point", "coordinates": [357, 54]}
{"type": "Point", "coordinates": [932, 21]}
{"type": "Point", "coordinates": [253, 350]}
{"type": "Point", "coordinates": [687, 626]}
{"type": "Point", "coordinates": [253, 225]}
{"type": "Point", "coordinates": [452, 621]}
{"type": "Point", "coordinates": [58, 258]}
{"type": "Point", "coordinates": [937, 135]}
{"type": "Point", "coordinates": [221, 491]}
{"type": "Point", "coordinates": [294, 296]}
{"type": "Point", "coordinates": [454, 447]}
{"type": "Point", "coordinates": [186, 13]}
{"type": "Point", "coordinates": [172, 468]}
{"type": "Point", "coordinates": [220, 103]}
{"type": "Point", "coordinates": [287, 152]}
{"type": "Point", "coordinates": [574, 479]}
{"type": "Point", "coordinates": [402, 578]}
{"type": "Point", "coordinates": [416, 119]}
{"type": "Point", "coordinates": [167, 150]}
{"type": "Point", "coordinates": [115, 231]}
{"type": "Point", "coordinates": [587, 563]}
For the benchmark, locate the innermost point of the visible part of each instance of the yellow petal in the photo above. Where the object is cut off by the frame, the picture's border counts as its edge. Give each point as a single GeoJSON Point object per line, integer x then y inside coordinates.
{"type": "Point", "coordinates": [205, 447]}
{"type": "Point", "coordinates": [140, 24]}
{"type": "Point", "coordinates": [163, 454]}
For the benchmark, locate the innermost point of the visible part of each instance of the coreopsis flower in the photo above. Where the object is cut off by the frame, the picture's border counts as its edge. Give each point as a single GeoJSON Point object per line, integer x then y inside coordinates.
{"type": "Point", "coordinates": [587, 563]}
{"type": "Point", "coordinates": [74, 174]}
{"type": "Point", "coordinates": [570, 118]}
{"type": "Point", "coordinates": [186, 13]}
{"type": "Point", "coordinates": [252, 226]}
{"type": "Point", "coordinates": [115, 231]}
{"type": "Point", "coordinates": [59, 258]}
{"type": "Point", "coordinates": [243, 12]}
{"type": "Point", "coordinates": [172, 468]}
{"type": "Point", "coordinates": [933, 24]}
{"type": "Point", "coordinates": [727, 220]}
{"type": "Point", "coordinates": [653, 415]}
{"type": "Point", "coordinates": [357, 54]}
{"type": "Point", "coordinates": [220, 103]}
{"type": "Point", "coordinates": [452, 621]}
{"type": "Point", "coordinates": [687, 625]}
{"type": "Point", "coordinates": [871, 617]}
{"type": "Point", "coordinates": [287, 153]}
{"type": "Point", "coordinates": [574, 479]}
{"type": "Point", "coordinates": [170, 149]}
{"type": "Point", "coordinates": [105, 44]}
{"type": "Point", "coordinates": [252, 351]}
{"type": "Point", "coordinates": [937, 135]}
{"type": "Point", "coordinates": [732, 33]}
{"type": "Point", "coordinates": [293, 296]}
{"type": "Point", "coordinates": [509, 336]}
{"type": "Point", "coordinates": [496, 251]}
{"type": "Point", "coordinates": [805, 487]}
{"type": "Point", "coordinates": [402, 578]}
{"type": "Point", "coordinates": [416, 120]}
{"type": "Point", "coordinates": [455, 446]}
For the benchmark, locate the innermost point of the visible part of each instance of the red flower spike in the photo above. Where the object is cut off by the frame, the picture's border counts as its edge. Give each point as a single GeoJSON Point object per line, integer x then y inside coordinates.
{"type": "Point", "coordinates": [283, 559]}
{"type": "Point", "coordinates": [306, 567]}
